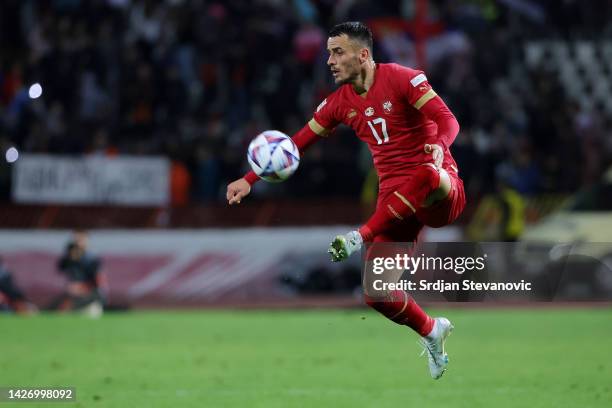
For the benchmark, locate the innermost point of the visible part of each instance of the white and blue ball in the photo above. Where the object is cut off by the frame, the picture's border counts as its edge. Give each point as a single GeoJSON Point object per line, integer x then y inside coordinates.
{"type": "Point", "coordinates": [273, 156]}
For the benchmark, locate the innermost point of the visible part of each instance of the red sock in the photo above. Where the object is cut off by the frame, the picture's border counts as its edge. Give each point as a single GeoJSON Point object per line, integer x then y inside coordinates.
{"type": "Point", "coordinates": [402, 309]}
{"type": "Point", "coordinates": [402, 203]}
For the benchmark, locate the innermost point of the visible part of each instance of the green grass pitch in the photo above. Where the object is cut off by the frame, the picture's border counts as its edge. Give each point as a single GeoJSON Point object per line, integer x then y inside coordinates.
{"type": "Point", "coordinates": [354, 358]}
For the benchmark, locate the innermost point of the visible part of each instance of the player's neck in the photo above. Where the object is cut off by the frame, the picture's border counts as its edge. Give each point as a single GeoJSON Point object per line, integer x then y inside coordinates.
{"type": "Point", "coordinates": [363, 84]}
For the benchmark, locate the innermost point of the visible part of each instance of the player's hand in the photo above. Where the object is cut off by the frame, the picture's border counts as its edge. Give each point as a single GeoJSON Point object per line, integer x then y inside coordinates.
{"type": "Point", "coordinates": [237, 190]}
{"type": "Point", "coordinates": [437, 153]}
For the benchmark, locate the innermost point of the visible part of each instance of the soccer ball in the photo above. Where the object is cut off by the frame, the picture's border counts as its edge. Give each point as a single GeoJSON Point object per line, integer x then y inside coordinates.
{"type": "Point", "coordinates": [273, 156]}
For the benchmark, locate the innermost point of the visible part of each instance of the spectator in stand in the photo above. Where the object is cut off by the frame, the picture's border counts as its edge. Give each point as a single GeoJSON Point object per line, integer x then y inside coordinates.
{"type": "Point", "coordinates": [149, 72]}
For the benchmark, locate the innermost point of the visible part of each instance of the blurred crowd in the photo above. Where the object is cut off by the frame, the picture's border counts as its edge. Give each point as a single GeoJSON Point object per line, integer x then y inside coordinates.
{"type": "Point", "coordinates": [196, 80]}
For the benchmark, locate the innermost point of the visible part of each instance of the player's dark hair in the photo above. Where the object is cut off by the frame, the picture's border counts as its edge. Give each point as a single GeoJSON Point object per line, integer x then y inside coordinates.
{"type": "Point", "coordinates": [355, 30]}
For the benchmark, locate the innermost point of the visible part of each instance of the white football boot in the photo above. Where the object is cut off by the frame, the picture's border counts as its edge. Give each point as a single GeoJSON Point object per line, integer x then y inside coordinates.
{"type": "Point", "coordinates": [344, 245]}
{"type": "Point", "coordinates": [433, 345]}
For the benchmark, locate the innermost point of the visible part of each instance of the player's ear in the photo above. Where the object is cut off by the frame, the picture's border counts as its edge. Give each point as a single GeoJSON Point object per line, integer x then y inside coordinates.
{"type": "Point", "coordinates": [364, 55]}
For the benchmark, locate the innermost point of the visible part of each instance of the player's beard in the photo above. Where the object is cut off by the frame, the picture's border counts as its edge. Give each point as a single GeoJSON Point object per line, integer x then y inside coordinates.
{"type": "Point", "coordinates": [349, 79]}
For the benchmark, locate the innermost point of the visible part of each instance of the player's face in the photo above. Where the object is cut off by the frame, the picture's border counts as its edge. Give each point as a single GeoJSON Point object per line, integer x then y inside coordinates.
{"type": "Point", "coordinates": [81, 239]}
{"type": "Point", "coordinates": [344, 59]}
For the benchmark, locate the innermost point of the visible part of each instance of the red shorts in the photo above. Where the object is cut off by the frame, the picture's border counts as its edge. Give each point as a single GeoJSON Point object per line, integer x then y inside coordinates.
{"type": "Point", "coordinates": [438, 215]}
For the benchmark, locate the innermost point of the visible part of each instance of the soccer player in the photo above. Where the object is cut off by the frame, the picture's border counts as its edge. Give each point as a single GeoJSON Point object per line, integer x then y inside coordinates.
{"type": "Point", "coordinates": [408, 129]}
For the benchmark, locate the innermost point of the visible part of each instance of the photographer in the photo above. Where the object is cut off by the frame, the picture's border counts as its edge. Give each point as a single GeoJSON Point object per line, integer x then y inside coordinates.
{"type": "Point", "coordinates": [86, 285]}
{"type": "Point", "coordinates": [12, 298]}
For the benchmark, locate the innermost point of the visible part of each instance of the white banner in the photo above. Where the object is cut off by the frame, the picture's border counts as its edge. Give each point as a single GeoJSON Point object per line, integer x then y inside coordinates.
{"type": "Point", "coordinates": [124, 180]}
{"type": "Point", "coordinates": [164, 267]}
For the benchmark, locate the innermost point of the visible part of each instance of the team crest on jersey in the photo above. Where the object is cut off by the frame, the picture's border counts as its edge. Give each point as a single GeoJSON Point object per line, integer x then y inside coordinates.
{"type": "Point", "coordinates": [351, 114]}
{"type": "Point", "coordinates": [322, 104]}
{"type": "Point", "coordinates": [387, 106]}
{"type": "Point", "coordinates": [369, 111]}
{"type": "Point", "coordinates": [424, 88]}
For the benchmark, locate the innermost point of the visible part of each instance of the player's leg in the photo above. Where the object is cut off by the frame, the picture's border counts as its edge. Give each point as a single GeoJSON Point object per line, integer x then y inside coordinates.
{"type": "Point", "coordinates": [446, 211]}
{"type": "Point", "coordinates": [426, 187]}
{"type": "Point", "coordinates": [396, 305]}
{"type": "Point", "coordinates": [399, 306]}
{"type": "Point", "coordinates": [438, 213]}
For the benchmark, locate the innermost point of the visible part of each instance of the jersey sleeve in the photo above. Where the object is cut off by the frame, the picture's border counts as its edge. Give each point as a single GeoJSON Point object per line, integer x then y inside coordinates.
{"type": "Point", "coordinates": [326, 117]}
{"type": "Point", "coordinates": [414, 86]}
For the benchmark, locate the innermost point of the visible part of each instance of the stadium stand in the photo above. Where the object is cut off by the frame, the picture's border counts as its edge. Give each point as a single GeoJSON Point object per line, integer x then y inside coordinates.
{"type": "Point", "coordinates": [195, 81]}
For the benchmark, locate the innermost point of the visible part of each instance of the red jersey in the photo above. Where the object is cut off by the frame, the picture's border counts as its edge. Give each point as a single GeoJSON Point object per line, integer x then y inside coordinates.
{"type": "Point", "coordinates": [388, 119]}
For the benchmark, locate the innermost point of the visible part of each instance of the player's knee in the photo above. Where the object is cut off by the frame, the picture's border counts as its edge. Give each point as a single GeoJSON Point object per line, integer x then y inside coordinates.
{"type": "Point", "coordinates": [443, 187]}
{"type": "Point", "coordinates": [429, 174]}
{"type": "Point", "coordinates": [445, 182]}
